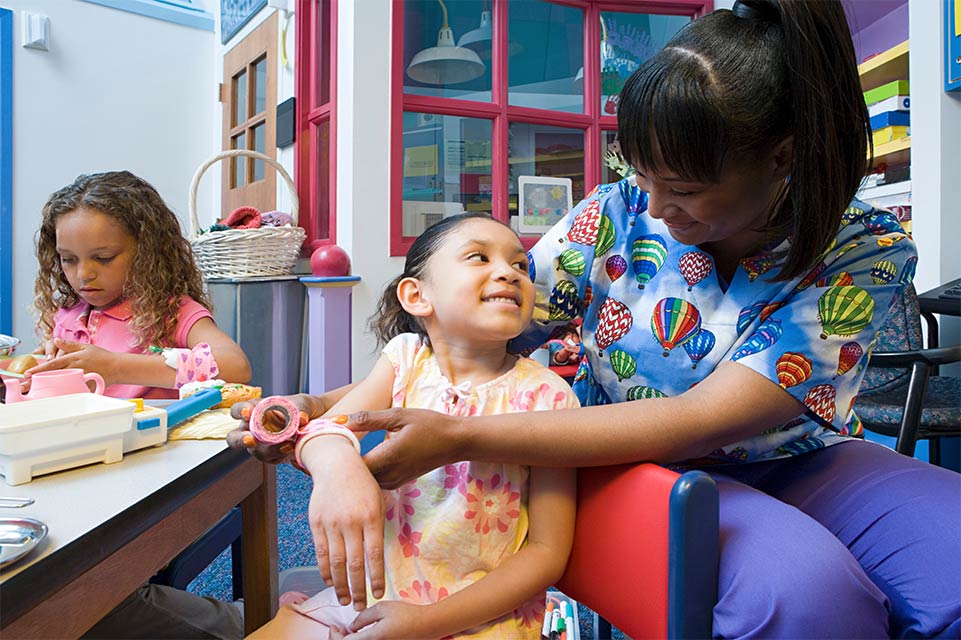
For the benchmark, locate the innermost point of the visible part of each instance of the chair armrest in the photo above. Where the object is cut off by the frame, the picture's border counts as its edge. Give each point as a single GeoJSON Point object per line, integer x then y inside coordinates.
{"type": "Point", "coordinates": [933, 357]}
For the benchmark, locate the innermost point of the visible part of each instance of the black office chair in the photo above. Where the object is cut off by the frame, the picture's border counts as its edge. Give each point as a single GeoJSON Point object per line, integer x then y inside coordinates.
{"type": "Point", "coordinates": [902, 394]}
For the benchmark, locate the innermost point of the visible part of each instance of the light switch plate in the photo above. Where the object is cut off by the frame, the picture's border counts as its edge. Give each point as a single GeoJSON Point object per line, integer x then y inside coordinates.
{"type": "Point", "coordinates": [34, 30]}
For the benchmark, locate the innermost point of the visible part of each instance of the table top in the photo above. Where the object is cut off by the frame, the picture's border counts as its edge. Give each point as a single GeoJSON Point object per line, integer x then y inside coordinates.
{"type": "Point", "coordinates": [930, 301]}
{"type": "Point", "coordinates": [94, 510]}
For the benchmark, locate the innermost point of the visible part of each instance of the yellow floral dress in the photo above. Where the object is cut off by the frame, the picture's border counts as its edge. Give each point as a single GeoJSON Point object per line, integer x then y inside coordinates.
{"type": "Point", "coordinates": [452, 526]}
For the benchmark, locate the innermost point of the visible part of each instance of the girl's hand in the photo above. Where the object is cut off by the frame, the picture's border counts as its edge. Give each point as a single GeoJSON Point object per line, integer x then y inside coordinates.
{"type": "Point", "coordinates": [240, 438]}
{"type": "Point", "coordinates": [393, 619]}
{"type": "Point", "coordinates": [346, 516]}
{"type": "Point", "coordinates": [419, 440]}
{"type": "Point", "coordinates": [47, 348]}
{"type": "Point", "coordinates": [88, 357]}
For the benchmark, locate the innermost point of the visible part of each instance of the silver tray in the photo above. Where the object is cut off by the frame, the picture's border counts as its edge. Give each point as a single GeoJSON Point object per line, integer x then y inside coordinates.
{"type": "Point", "coordinates": [18, 537]}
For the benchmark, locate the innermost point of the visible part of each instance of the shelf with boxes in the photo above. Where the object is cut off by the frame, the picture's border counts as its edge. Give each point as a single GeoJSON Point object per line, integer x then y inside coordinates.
{"type": "Point", "coordinates": [884, 79]}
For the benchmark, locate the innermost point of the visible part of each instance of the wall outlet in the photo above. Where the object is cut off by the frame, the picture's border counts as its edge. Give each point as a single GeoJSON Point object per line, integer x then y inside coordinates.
{"type": "Point", "coordinates": [34, 31]}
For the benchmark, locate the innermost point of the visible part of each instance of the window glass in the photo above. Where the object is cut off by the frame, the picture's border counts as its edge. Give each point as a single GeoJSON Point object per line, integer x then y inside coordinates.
{"type": "Point", "coordinates": [552, 37]}
{"type": "Point", "coordinates": [613, 165]}
{"type": "Point", "coordinates": [240, 98]}
{"type": "Point", "coordinates": [321, 178]}
{"type": "Point", "coordinates": [239, 164]}
{"type": "Point", "coordinates": [260, 137]}
{"type": "Point", "coordinates": [447, 168]}
{"type": "Point", "coordinates": [452, 63]}
{"type": "Point", "coordinates": [541, 151]}
{"type": "Point", "coordinates": [321, 62]}
{"type": "Point", "coordinates": [627, 40]}
{"type": "Point", "coordinates": [260, 85]}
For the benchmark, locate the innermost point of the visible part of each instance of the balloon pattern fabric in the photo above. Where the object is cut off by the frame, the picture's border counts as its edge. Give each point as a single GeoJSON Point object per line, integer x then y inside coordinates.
{"type": "Point", "coordinates": [674, 322]}
{"type": "Point", "coordinates": [796, 332]}
{"type": "Point", "coordinates": [699, 346]}
{"type": "Point", "coordinates": [571, 261]}
{"type": "Point", "coordinates": [695, 266]}
{"type": "Point", "coordinates": [647, 258]}
{"type": "Point", "coordinates": [849, 355]}
{"type": "Point", "coordinates": [792, 369]}
{"type": "Point", "coordinates": [613, 322]}
{"type": "Point", "coordinates": [615, 266]}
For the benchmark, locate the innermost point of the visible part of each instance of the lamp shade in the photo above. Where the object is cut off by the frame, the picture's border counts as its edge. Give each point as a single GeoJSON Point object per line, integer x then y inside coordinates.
{"type": "Point", "coordinates": [446, 63]}
{"type": "Point", "coordinates": [479, 40]}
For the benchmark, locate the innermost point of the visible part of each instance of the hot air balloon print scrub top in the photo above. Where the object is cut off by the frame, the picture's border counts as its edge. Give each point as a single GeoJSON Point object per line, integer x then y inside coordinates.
{"type": "Point", "coordinates": [657, 319]}
{"type": "Point", "coordinates": [452, 526]}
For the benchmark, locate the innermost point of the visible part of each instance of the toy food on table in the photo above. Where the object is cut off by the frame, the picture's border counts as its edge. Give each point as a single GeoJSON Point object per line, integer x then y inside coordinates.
{"type": "Point", "coordinates": [231, 392]}
{"type": "Point", "coordinates": [19, 364]}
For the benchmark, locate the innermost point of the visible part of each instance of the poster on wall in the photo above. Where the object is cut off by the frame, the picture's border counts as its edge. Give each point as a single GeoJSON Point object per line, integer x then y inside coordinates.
{"type": "Point", "coordinates": [234, 14]}
{"type": "Point", "coordinates": [542, 202]}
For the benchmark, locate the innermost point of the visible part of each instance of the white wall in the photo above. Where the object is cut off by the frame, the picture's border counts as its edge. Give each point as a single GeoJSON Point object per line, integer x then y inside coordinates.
{"type": "Point", "coordinates": [115, 90]}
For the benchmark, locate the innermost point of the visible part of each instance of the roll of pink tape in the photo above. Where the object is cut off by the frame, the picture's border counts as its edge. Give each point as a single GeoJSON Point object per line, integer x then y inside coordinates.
{"type": "Point", "coordinates": [274, 436]}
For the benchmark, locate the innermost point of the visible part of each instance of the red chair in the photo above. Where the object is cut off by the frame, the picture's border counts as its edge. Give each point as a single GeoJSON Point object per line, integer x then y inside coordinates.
{"type": "Point", "coordinates": [645, 554]}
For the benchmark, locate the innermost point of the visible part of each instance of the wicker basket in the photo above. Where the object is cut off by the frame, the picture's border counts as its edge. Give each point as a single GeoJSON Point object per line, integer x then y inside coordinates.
{"type": "Point", "coordinates": [246, 253]}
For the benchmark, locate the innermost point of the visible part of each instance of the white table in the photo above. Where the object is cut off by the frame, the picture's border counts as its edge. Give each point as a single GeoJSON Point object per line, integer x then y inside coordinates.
{"type": "Point", "coordinates": [113, 526]}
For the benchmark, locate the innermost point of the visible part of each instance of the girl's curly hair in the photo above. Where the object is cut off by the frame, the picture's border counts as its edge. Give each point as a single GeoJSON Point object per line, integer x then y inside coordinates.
{"type": "Point", "coordinates": [163, 269]}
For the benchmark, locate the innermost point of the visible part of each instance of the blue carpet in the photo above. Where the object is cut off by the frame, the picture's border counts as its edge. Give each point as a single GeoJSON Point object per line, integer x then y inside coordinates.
{"type": "Point", "coordinates": [296, 547]}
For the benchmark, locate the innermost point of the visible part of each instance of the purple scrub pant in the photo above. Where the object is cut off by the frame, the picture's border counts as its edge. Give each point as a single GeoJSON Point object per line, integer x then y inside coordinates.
{"type": "Point", "coordinates": [851, 541]}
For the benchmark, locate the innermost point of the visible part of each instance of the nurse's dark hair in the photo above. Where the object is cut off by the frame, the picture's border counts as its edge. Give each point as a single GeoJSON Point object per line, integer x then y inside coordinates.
{"type": "Point", "coordinates": [390, 319]}
{"type": "Point", "coordinates": [732, 85]}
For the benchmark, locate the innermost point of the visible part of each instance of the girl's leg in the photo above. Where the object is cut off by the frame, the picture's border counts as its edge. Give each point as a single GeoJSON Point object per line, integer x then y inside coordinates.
{"type": "Point", "coordinates": [783, 575]}
{"type": "Point", "coordinates": [302, 617]}
{"type": "Point", "coordinates": [900, 517]}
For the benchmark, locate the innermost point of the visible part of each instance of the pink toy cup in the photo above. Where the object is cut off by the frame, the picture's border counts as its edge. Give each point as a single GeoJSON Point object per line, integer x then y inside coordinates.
{"type": "Point", "coordinates": [47, 384]}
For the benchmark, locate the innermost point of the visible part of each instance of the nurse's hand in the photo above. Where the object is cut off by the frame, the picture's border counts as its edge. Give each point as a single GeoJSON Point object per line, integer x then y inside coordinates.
{"type": "Point", "coordinates": [241, 438]}
{"type": "Point", "coordinates": [418, 441]}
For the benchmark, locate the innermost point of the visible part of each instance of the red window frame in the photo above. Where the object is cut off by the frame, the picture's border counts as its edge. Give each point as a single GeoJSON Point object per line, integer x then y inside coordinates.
{"type": "Point", "coordinates": [314, 47]}
{"type": "Point", "coordinates": [591, 121]}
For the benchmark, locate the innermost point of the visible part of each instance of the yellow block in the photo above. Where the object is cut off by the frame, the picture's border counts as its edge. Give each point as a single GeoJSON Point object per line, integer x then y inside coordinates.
{"type": "Point", "coordinates": [138, 402]}
{"type": "Point", "coordinates": [889, 134]}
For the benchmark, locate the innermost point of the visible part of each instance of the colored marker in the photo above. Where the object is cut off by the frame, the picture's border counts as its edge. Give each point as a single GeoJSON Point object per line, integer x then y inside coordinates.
{"type": "Point", "coordinates": [555, 620]}
{"type": "Point", "coordinates": [564, 605]}
{"type": "Point", "coordinates": [571, 633]}
{"type": "Point", "coordinates": [546, 629]}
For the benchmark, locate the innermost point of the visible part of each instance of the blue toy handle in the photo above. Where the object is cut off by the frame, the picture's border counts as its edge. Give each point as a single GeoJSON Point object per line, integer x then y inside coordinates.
{"type": "Point", "coordinates": [190, 406]}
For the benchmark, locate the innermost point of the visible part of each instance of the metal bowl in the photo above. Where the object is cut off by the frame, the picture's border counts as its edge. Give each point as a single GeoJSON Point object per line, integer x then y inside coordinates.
{"type": "Point", "coordinates": [8, 344]}
{"type": "Point", "coordinates": [18, 537]}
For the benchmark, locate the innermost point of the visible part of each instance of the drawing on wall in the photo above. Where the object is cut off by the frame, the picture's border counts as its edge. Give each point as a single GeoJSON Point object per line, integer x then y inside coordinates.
{"type": "Point", "coordinates": [542, 202]}
{"type": "Point", "coordinates": [234, 14]}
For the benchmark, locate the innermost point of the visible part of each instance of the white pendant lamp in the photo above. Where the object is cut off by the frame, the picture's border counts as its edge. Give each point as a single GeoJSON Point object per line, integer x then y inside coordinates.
{"type": "Point", "coordinates": [479, 40]}
{"type": "Point", "coordinates": [446, 63]}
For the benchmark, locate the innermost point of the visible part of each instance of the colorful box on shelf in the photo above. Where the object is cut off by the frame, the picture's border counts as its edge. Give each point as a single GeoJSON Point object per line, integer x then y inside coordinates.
{"type": "Point", "coordinates": [894, 88]}
{"type": "Point", "coordinates": [894, 103]}
{"type": "Point", "coordinates": [891, 119]}
{"type": "Point", "coordinates": [889, 134]}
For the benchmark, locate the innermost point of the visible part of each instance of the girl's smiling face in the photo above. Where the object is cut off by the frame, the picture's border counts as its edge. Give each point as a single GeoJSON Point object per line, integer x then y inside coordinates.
{"type": "Point", "coordinates": [96, 253]}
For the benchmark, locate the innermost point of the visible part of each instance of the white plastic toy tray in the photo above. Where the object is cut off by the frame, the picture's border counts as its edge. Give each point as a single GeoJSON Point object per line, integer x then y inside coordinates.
{"type": "Point", "coordinates": [51, 434]}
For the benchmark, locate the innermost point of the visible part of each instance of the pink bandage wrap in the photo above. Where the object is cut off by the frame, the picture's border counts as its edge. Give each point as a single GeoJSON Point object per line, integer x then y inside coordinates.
{"type": "Point", "coordinates": [270, 436]}
{"type": "Point", "coordinates": [322, 427]}
{"type": "Point", "coordinates": [192, 365]}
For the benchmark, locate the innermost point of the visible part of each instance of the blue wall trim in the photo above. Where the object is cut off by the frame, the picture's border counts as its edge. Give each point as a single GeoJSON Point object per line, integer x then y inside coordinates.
{"type": "Point", "coordinates": [6, 171]}
{"type": "Point", "coordinates": [169, 10]}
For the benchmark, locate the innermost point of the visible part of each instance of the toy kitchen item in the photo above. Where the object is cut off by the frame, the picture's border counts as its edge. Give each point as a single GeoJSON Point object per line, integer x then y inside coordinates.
{"type": "Point", "coordinates": [47, 384]}
{"type": "Point", "coordinates": [18, 537]}
{"type": "Point", "coordinates": [62, 432]}
{"type": "Point", "coordinates": [8, 344]}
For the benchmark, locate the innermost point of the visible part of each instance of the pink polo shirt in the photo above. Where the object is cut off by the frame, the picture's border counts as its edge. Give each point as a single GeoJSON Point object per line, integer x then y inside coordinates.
{"type": "Point", "coordinates": [110, 330]}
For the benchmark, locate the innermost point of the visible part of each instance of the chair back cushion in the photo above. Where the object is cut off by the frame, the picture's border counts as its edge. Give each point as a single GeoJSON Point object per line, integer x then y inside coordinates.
{"type": "Point", "coordinates": [900, 332]}
{"type": "Point", "coordinates": [619, 562]}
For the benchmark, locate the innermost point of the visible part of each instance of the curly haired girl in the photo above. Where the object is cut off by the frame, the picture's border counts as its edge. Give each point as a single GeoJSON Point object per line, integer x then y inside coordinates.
{"type": "Point", "coordinates": [118, 284]}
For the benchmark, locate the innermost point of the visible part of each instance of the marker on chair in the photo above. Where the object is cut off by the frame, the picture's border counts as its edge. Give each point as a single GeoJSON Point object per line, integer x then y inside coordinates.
{"type": "Point", "coordinates": [546, 628]}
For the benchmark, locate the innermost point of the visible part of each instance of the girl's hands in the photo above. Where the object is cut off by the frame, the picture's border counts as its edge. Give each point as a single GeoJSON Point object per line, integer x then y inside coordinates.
{"type": "Point", "coordinates": [240, 438]}
{"type": "Point", "coordinates": [418, 441]}
{"type": "Point", "coordinates": [346, 516]}
{"type": "Point", "coordinates": [66, 355]}
{"type": "Point", "coordinates": [392, 619]}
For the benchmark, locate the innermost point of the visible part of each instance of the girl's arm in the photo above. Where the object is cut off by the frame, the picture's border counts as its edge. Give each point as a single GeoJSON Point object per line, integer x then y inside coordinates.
{"type": "Point", "coordinates": [346, 511]}
{"type": "Point", "coordinates": [729, 405]}
{"type": "Point", "coordinates": [147, 369]}
{"type": "Point", "coordinates": [524, 575]}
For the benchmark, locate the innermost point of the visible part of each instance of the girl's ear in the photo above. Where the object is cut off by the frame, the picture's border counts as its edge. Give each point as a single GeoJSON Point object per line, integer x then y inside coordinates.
{"type": "Point", "coordinates": [783, 158]}
{"type": "Point", "coordinates": [413, 298]}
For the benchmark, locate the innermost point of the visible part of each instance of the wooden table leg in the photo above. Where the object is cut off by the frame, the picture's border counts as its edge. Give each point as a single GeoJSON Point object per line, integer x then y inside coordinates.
{"type": "Point", "coordinates": [259, 543]}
